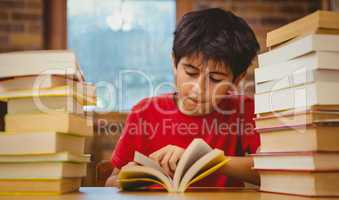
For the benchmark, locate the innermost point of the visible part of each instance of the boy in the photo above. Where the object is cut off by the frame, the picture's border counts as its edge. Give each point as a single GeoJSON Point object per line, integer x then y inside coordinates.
{"type": "Point", "coordinates": [212, 50]}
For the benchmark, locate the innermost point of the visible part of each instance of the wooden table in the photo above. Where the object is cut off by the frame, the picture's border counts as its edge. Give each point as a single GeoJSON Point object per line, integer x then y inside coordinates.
{"type": "Point", "coordinates": [92, 193]}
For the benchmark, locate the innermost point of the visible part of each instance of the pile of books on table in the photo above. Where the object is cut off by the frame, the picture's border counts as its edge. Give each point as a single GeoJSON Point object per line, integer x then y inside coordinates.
{"type": "Point", "coordinates": [297, 107]}
{"type": "Point", "coordinates": [42, 146]}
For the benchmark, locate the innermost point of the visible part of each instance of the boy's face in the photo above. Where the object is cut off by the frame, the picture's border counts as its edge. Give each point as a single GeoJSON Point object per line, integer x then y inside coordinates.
{"type": "Point", "coordinates": [201, 86]}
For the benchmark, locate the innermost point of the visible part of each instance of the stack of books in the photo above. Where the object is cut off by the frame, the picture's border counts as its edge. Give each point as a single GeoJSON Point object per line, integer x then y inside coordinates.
{"type": "Point", "coordinates": [297, 108]}
{"type": "Point", "coordinates": [42, 147]}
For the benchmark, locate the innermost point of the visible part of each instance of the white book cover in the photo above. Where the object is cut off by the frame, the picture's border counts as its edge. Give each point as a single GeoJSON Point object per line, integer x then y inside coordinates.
{"type": "Point", "coordinates": [317, 93]}
{"type": "Point", "coordinates": [315, 60]}
{"type": "Point", "coordinates": [25, 63]}
{"type": "Point", "coordinates": [297, 78]}
{"type": "Point", "coordinates": [314, 42]}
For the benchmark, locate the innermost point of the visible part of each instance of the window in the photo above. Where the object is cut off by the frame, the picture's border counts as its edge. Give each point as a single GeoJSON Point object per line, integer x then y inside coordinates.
{"type": "Point", "coordinates": [124, 47]}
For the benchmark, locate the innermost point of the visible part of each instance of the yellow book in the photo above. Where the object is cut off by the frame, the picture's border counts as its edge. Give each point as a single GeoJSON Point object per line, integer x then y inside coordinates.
{"type": "Point", "coordinates": [197, 162]}
{"type": "Point", "coordinates": [46, 104]}
{"type": "Point", "coordinates": [39, 186]}
{"type": "Point", "coordinates": [34, 81]}
{"type": "Point", "coordinates": [46, 157]}
{"type": "Point", "coordinates": [323, 22]}
{"type": "Point", "coordinates": [49, 62]}
{"type": "Point", "coordinates": [83, 93]}
{"type": "Point", "coordinates": [38, 143]}
{"type": "Point", "coordinates": [50, 122]}
{"type": "Point", "coordinates": [42, 170]}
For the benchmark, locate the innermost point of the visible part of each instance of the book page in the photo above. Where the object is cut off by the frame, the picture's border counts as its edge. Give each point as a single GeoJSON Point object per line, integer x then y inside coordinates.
{"type": "Point", "coordinates": [197, 149]}
{"type": "Point", "coordinates": [206, 165]}
{"type": "Point", "coordinates": [138, 183]}
{"type": "Point", "coordinates": [142, 176]}
{"type": "Point", "coordinates": [146, 161]}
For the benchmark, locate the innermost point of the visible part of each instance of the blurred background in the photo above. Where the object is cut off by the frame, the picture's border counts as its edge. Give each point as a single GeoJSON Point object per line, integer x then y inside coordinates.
{"type": "Point", "coordinates": [128, 40]}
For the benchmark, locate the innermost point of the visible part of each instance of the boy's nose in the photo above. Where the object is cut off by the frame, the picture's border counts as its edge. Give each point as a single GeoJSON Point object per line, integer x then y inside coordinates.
{"type": "Point", "coordinates": [199, 89]}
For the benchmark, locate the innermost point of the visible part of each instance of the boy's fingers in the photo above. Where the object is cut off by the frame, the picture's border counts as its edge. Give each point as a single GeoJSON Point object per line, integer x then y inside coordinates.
{"type": "Point", "coordinates": [175, 158]}
{"type": "Point", "coordinates": [131, 164]}
{"type": "Point", "coordinates": [167, 158]}
{"type": "Point", "coordinates": [158, 155]}
{"type": "Point", "coordinates": [173, 161]}
{"type": "Point", "coordinates": [164, 162]}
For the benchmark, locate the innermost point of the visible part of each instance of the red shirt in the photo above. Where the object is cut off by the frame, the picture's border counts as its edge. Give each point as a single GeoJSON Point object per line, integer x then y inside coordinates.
{"type": "Point", "coordinates": [157, 122]}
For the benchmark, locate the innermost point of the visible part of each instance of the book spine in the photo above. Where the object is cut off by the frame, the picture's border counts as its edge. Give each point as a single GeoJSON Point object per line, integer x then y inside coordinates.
{"type": "Point", "coordinates": [297, 195]}
{"type": "Point", "coordinates": [295, 153]}
{"type": "Point", "coordinates": [298, 170]}
{"type": "Point", "coordinates": [3, 111]}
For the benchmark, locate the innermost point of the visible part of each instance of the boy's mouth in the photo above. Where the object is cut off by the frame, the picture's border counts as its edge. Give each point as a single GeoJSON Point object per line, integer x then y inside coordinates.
{"type": "Point", "coordinates": [196, 101]}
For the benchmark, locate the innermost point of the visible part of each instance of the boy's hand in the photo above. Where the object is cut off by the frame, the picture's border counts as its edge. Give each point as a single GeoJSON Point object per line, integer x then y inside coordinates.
{"type": "Point", "coordinates": [130, 164]}
{"type": "Point", "coordinates": [168, 157]}
{"type": "Point", "coordinates": [112, 181]}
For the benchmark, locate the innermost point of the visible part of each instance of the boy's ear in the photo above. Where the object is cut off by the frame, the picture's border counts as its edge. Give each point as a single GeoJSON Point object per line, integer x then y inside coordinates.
{"type": "Point", "coordinates": [174, 67]}
{"type": "Point", "coordinates": [239, 78]}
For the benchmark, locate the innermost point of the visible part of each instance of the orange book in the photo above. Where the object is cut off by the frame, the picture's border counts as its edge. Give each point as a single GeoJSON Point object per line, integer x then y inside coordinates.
{"type": "Point", "coordinates": [323, 183]}
{"type": "Point", "coordinates": [311, 137]}
{"type": "Point", "coordinates": [281, 119]}
{"type": "Point", "coordinates": [304, 160]}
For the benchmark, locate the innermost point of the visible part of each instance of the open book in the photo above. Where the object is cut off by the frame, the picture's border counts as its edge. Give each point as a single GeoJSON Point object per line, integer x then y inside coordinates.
{"type": "Point", "coordinates": [198, 161]}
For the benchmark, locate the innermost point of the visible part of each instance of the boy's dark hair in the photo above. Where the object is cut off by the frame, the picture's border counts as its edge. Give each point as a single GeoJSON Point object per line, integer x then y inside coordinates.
{"type": "Point", "coordinates": [217, 34]}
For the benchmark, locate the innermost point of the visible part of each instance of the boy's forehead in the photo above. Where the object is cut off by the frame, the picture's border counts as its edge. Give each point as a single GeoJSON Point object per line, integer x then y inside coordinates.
{"type": "Point", "coordinates": [199, 60]}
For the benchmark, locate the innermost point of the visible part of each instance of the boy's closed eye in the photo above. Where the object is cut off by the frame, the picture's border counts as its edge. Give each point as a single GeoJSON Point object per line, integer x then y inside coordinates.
{"type": "Point", "coordinates": [191, 70]}
{"type": "Point", "coordinates": [217, 76]}
{"type": "Point", "coordinates": [213, 76]}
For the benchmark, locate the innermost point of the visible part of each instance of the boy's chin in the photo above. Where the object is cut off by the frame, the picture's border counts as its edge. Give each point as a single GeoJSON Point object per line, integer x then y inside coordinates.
{"type": "Point", "coordinates": [196, 111]}
{"type": "Point", "coordinates": [193, 109]}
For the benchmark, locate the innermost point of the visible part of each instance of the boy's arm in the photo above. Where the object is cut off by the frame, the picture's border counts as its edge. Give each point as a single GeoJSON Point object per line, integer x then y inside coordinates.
{"type": "Point", "coordinates": [241, 168]}
{"type": "Point", "coordinates": [126, 146]}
